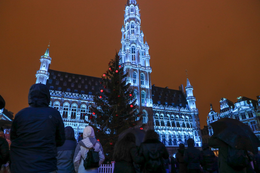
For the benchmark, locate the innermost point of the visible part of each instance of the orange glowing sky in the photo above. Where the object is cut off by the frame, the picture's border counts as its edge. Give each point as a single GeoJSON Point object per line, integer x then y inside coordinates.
{"type": "Point", "coordinates": [217, 41]}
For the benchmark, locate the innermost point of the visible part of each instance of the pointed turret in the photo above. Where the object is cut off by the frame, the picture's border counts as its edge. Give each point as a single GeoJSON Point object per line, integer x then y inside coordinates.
{"type": "Point", "coordinates": [131, 2]}
{"type": "Point", "coordinates": [189, 94]}
{"type": "Point", "coordinates": [47, 52]}
{"type": "Point", "coordinates": [42, 74]}
{"type": "Point", "coordinates": [188, 83]}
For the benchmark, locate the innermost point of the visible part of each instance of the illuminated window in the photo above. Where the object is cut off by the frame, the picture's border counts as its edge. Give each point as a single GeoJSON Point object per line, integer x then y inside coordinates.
{"type": "Point", "coordinates": [73, 112]}
{"type": "Point", "coordinates": [56, 105]}
{"type": "Point", "coordinates": [145, 117]}
{"type": "Point", "coordinates": [82, 112]}
{"type": "Point", "coordinates": [135, 94]}
{"type": "Point", "coordinates": [142, 79]}
{"type": "Point", "coordinates": [134, 77]}
{"type": "Point", "coordinates": [133, 53]}
{"type": "Point", "coordinates": [65, 111]}
{"type": "Point", "coordinates": [132, 28]}
{"type": "Point", "coordinates": [143, 97]}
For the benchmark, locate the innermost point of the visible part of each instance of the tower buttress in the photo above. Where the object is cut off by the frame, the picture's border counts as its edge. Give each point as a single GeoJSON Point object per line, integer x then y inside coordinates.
{"type": "Point", "coordinates": [42, 74]}
{"type": "Point", "coordinates": [135, 58]}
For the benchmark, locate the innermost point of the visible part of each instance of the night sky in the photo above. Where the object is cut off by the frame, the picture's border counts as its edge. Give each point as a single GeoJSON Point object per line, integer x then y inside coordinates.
{"type": "Point", "coordinates": [217, 41]}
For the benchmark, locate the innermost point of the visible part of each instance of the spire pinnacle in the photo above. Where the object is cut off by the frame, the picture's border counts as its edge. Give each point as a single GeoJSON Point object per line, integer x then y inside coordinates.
{"type": "Point", "coordinates": [131, 2]}
{"type": "Point", "coordinates": [47, 50]}
{"type": "Point", "coordinates": [188, 83]}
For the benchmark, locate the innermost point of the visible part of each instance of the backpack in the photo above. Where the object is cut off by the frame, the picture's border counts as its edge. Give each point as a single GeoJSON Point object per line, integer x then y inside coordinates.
{"type": "Point", "coordinates": [154, 163]}
{"type": "Point", "coordinates": [237, 159]}
{"type": "Point", "coordinates": [92, 159]}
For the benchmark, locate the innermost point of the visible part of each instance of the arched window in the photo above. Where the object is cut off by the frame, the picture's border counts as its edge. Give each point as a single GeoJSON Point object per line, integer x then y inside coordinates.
{"type": "Point", "coordinates": [145, 117]}
{"type": "Point", "coordinates": [170, 140]}
{"type": "Point", "coordinates": [83, 111]}
{"type": "Point", "coordinates": [132, 28]}
{"type": "Point", "coordinates": [142, 79]}
{"type": "Point", "coordinates": [188, 126]}
{"type": "Point", "coordinates": [134, 77]}
{"type": "Point", "coordinates": [73, 111]}
{"type": "Point", "coordinates": [183, 125]}
{"type": "Point", "coordinates": [157, 123]}
{"type": "Point", "coordinates": [56, 105]}
{"type": "Point", "coordinates": [143, 95]}
{"type": "Point", "coordinates": [173, 124]}
{"type": "Point", "coordinates": [163, 139]}
{"type": "Point", "coordinates": [133, 53]}
{"type": "Point", "coordinates": [178, 124]}
{"type": "Point", "coordinates": [135, 94]}
{"type": "Point", "coordinates": [162, 123]}
{"type": "Point", "coordinates": [168, 124]}
{"type": "Point", "coordinates": [65, 111]}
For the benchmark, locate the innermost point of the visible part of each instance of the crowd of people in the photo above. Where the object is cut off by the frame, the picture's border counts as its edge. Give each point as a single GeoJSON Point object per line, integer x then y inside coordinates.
{"type": "Point", "coordinates": [41, 144]}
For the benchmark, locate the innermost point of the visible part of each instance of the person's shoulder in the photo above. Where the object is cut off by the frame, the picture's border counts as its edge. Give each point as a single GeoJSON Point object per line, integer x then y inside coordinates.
{"type": "Point", "coordinates": [22, 112]}
{"type": "Point", "coordinates": [53, 111]}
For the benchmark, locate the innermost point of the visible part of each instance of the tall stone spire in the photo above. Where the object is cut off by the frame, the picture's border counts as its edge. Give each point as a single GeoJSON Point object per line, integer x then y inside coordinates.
{"type": "Point", "coordinates": [42, 74]}
{"type": "Point", "coordinates": [135, 58]}
{"type": "Point", "coordinates": [189, 94]}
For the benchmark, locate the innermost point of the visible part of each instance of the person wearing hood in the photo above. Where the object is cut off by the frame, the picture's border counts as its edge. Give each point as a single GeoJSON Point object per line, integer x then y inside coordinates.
{"type": "Point", "coordinates": [36, 133]}
{"type": "Point", "coordinates": [126, 154]}
{"type": "Point", "coordinates": [182, 166]}
{"type": "Point", "coordinates": [88, 141]}
{"type": "Point", "coordinates": [192, 157]}
{"type": "Point", "coordinates": [66, 152]}
{"type": "Point", "coordinates": [209, 160]}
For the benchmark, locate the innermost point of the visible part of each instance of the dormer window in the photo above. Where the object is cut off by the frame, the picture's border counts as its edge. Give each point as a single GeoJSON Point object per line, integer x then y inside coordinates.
{"type": "Point", "coordinates": [132, 10]}
{"type": "Point", "coordinates": [132, 28]}
{"type": "Point", "coordinates": [133, 53]}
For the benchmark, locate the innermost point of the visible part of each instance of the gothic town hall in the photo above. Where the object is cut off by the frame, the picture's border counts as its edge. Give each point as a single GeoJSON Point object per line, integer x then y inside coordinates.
{"type": "Point", "coordinates": [171, 113]}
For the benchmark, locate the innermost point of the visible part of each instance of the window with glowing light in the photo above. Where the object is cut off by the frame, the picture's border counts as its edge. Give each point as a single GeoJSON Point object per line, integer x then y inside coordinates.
{"type": "Point", "coordinates": [143, 95]}
{"type": "Point", "coordinates": [134, 77]}
{"type": "Point", "coordinates": [65, 111]}
{"type": "Point", "coordinates": [133, 53]}
{"type": "Point", "coordinates": [145, 117]}
{"type": "Point", "coordinates": [142, 79]}
{"type": "Point", "coordinates": [56, 105]}
{"type": "Point", "coordinates": [132, 28]}
{"type": "Point", "coordinates": [73, 112]}
{"type": "Point", "coordinates": [83, 111]}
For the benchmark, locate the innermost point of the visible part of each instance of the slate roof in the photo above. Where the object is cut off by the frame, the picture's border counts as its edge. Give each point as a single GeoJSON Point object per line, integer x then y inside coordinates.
{"type": "Point", "coordinates": [166, 96]}
{"type": "Point", "coordinates": [75, 83]}
{"type": "Point", "coordinates": [82, 84]}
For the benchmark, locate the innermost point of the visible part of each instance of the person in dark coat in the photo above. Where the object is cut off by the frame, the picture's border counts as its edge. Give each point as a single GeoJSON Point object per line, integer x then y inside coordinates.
{"type": "Point", "coordinates": [173, 163]}
{"type": "Point", "coordinates": [182, 166]}
{"type": "Point", "coordinates": [256, 162]}
{"type": "Point", "coordinates": [192, 157]}
{"type": "Point", "coordinates": [214, 142]}
{"type": "Point", "coordinates": [36, 133]}
{"type": "Point", "coordinates": [125, 154]}
{"type": "Point", "coordinates": [209, 160]}
{"type": "Point", "coordinates": [4, 150]}
{"type": "Point", "coordinates": [66, 152]}
{"type": "Point", "coordinates": [152, 145]}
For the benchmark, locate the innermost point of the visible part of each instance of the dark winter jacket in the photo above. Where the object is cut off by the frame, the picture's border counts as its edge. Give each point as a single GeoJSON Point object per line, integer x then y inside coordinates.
{"type": "Point", "coordinates": [182, 166]}
{"type": "Point", "coordinates": [66, 152]}
{"type": "Point", "coordinates": [223, 154]}
{"type": "Point", "coordinates": [208, 159]}
{"type": "Point", "coordinates": [256, 160]}
{"type": "Point", "coordinates": [126, 165]}
{"type": "Point", "coordinates": [4, 151]}
{"type": "Point", "coordinates": [153, 145]}
{"type": "Point", "coordinates": [192, 157]}
{"type": "Point", "coordinates": [36, 133]}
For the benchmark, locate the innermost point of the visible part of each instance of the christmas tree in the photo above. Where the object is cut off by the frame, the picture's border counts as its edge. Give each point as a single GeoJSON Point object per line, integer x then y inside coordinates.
{"type": "Point", "coordinates": [114, 110]}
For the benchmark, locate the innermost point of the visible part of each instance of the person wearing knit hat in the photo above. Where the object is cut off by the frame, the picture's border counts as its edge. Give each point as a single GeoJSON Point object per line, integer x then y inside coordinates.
{"type": "Point", "coordinates": [88, 141]}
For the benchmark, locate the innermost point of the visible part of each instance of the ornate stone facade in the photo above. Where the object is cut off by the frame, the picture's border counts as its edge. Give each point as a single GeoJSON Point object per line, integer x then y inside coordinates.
{"type": "Point", "coordinates": [172, 113]}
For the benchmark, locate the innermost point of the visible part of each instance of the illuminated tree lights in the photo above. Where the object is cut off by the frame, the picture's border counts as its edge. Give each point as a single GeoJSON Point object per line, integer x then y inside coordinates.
{"type": "Point", "coordinates": [115, 109]}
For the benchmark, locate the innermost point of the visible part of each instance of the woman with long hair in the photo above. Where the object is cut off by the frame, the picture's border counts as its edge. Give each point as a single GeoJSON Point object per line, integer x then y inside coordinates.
{"type": "Point", "coordinates": [126, 154]}
{"type": "Point", "coordinates": [154, 153]}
